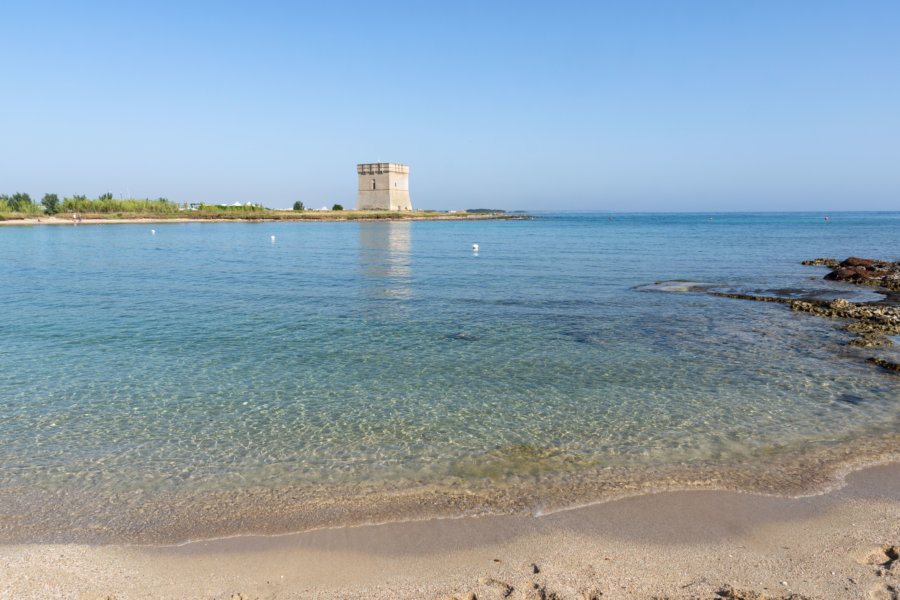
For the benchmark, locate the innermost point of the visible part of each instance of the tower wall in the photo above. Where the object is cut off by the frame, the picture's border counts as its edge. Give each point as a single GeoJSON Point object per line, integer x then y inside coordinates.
{"type": "Point", "coordinates": [383, 186]}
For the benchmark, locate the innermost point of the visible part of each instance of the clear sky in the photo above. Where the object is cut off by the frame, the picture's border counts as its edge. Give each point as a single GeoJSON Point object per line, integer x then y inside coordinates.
{"type": "Point", "coordinates": [610, 106]}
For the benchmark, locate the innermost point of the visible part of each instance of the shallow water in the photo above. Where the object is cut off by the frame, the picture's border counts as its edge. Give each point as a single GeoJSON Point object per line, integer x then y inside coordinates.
{"type": "Point", "coordinates": [377, 360]}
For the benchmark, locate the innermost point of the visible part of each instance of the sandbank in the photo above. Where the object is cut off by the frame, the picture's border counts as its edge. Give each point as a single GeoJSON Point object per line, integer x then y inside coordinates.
{"type": "Point", "coordinates": [694, 544]}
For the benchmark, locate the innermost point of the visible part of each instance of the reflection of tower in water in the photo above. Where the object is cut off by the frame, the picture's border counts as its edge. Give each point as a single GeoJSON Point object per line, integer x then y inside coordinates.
{"type": "Point", "coordinates": [384, 259]}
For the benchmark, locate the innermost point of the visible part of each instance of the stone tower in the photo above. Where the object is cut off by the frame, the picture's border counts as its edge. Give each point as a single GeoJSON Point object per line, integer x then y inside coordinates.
{"type": "Point", "coordinates": [383, 186]}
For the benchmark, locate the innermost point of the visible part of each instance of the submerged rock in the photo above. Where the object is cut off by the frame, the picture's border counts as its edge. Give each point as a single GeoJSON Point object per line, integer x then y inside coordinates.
{"type": "Point", "coordinates": [871, 323]}
{"type": "Point", "coordinates": [885, 364]}
{"type": "Point", "coordinates": [870, 340]}
{"type": "Point", "coordinates": [850, 398]}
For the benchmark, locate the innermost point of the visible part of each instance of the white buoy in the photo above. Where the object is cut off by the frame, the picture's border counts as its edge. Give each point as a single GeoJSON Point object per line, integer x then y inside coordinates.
{"type": "Point", "coordinates": [475, 247]}
{"type": "Point", "coordinates": [153, 231]}
{"type": "Point", "coordinates": [272, 237]}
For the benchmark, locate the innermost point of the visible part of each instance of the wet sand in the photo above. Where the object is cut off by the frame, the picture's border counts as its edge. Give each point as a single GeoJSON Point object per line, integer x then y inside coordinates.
{"type": "Point", "coordinates": [698, 544]}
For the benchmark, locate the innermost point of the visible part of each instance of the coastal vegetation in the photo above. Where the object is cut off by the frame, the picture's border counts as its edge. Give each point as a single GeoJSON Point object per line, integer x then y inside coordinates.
{"type": "Point", "coordinates": [19, 203]}
{"type": "Point", "coordinates": [20, 206]}
{"type": "Point", "coordinates": [106, 204]}
{"type": "Point", "coordinates": [51, 203]}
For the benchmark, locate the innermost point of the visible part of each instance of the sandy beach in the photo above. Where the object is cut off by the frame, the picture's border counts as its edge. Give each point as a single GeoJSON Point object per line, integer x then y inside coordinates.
{"type": "Point", "coordinates": [670, 545]}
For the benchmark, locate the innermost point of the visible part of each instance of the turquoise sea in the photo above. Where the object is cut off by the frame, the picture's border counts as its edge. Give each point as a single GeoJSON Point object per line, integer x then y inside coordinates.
{"type": "Point", "coordinates": [178, 381]}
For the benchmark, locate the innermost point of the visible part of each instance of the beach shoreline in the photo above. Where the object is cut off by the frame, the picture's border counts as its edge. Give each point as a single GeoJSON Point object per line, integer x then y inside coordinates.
{"type": "Point", "coordinates": [303, 217]}
{"type": "Point", "coordinates": [694, 544]}
{"type": "Point", "coordinates": [71, 514]}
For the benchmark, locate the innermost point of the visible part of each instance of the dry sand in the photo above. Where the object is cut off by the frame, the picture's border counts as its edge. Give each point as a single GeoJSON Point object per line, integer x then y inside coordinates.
{"type": "Point", "coordinates": [670, 545]}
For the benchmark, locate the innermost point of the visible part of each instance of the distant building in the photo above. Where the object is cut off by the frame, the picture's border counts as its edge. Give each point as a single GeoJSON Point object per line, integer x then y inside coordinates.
{"type": "Point", "coordinates": [383, 186]}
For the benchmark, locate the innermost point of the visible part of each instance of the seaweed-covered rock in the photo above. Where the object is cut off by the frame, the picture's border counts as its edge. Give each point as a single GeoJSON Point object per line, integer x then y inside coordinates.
{"type": "Point", "coordinates": [831, 263]}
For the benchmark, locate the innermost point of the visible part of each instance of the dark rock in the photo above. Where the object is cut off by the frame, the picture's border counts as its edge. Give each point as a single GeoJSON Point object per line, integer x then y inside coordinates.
{"type": "Point", "coordinates": [758, 298]}
{"type": "Point", "coordinates": [864, 271]}
{"type": "Point", "coordinates": [847, 274]}
{"type": "Point", "coordinates": [857, 262]}
{"type": "Point", "coordinates": [885, 364]}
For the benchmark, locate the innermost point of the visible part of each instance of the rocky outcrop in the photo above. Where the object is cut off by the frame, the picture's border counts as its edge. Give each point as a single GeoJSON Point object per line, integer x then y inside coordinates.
{"type": "Point", "coordinates": [870, 322]}
{"type": "Point", "coordinates": [862, 271]}
{"type": "Point", "coordinates": [885, 364]}
{"type": "Point", "coordinates": [831, 263]}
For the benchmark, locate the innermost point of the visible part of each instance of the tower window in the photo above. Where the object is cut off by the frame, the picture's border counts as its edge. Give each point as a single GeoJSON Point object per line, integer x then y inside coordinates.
{"type": "Point", "coordinates": [373, 184]}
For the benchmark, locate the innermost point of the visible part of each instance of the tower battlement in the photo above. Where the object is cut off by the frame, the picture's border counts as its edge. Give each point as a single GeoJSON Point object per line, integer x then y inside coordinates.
{"type": "Point", "coordinates": [383, 186]}
{"type": "Point", "coordinates": [379, 168]}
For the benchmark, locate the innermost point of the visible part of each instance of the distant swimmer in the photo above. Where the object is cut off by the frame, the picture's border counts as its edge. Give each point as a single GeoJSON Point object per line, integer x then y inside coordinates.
{"type": "Point", "coordinates": [826, 218]}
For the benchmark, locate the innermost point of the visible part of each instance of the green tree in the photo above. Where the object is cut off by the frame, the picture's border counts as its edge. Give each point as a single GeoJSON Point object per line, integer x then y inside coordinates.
{"type": "Point", "coordinates": [106, 196]}
{"type": "Point", "coordinates": [337, 207]}
{"type": "Point", "coordinates": [51, 203]}
{"type": "Point", "coordinates": [20, 202]}
{"type": "Point", "coordinates": [298, 205]}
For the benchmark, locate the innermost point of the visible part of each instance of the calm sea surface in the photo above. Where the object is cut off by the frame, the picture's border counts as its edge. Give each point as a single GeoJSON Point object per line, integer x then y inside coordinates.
{"type": "Point", "coordinates": [345, 372]}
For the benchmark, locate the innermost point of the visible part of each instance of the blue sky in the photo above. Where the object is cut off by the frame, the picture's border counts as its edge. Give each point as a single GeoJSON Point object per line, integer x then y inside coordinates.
{"type": "Point", "coordinates": [625, 106]}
